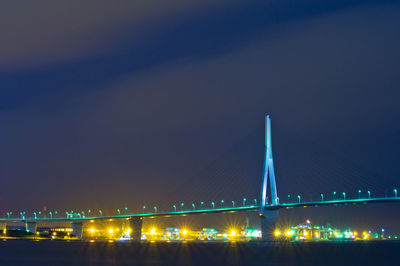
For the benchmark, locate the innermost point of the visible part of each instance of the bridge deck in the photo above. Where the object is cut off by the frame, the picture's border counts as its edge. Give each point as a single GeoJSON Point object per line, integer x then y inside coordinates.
{"type": "Point", "coordinates": [207, 211]}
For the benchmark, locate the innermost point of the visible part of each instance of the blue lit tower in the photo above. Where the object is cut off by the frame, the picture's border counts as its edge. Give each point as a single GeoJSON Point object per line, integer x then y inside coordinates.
{"type": "Point", "coordinates": [268, 217]}
{"type": "Point", "coordinates": [268, 172]}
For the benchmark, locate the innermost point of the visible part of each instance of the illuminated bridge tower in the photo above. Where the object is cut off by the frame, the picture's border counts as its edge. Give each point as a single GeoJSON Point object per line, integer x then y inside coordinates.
{"type": "Point", "coordinates": [268, 217]}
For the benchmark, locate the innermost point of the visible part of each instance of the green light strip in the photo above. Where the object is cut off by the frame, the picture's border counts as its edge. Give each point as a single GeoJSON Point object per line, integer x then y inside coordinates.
{"type": "Point", "coordinates": [200, 211]}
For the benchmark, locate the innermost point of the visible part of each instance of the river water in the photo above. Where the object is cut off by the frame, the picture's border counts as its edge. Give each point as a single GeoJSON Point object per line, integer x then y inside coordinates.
{"type": "Point", "coordinates": [57, 252]}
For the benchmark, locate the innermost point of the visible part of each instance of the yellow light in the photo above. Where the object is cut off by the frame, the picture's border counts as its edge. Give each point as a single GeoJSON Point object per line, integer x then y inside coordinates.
{"type": "Point", "coordinates": [355, 233]}
{"type": "Point", "coordinates": [153, 231]}
{"type": "Point", "coordinates": [184, 232]}
{"type": "Point", "coordinates": [91, 230]}
{"type": "Point", "coordinates": [128, 231]}
{"type": "Point", "coordinates": [54, 233]}
{"type": "Point", "coordinates": [110, 230]}
{"type": "Point", "coordinates": [37, 233]}
{"type": "Point", "coordinates": [277, 233]}
{"type": "Point", "coordinates": [289, 232]}
{"type": "Point", "coordinates": [4, 231]}
{"type": "Point", "coordinates": [233, 233]}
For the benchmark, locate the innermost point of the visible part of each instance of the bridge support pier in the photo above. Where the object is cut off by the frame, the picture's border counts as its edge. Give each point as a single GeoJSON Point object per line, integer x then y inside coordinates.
{"type": "Point", "coordinates": [77, 229]}
{"type": "Point", "coordinates": [268, 222]}
{"type": "Point", "coordinates": [135, 224]}
{"type": "Point", "coordinates": [31, 227]}
{"type": "Point", "coordinates": [3, 226]}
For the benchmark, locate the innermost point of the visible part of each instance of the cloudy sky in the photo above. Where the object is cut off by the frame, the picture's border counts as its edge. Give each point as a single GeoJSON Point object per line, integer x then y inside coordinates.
{"type": "Point", "coordinates": [153, 102]}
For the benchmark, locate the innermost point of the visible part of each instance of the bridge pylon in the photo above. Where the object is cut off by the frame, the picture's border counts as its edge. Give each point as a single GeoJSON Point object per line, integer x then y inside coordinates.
{"type": "Point", "coordinates": [268, 217]}
{"type": "Point", "coordinates": [268, 172]}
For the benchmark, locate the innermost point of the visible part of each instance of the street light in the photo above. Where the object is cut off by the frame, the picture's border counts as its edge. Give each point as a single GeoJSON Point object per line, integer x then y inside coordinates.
{"type": "Point", "coordinates": [213, 204]}
{"type": "Point", "coordinates": [244, 202]}
{"type": "Point", "coordinates": [51, 215]}
{"type": "Point", "coordinates": [182, 204]}
{"type": "Point", "coordinates": [233, 204]}
{"type": "Point", "coordinates": [155, 209]}
{"type": "Point", "coordinates": [333, 195]}
{"type": "Point", "coordinates": [119, 211]}
{"type": "Point", "coordinates": [299, 197]}
{"type": "Point", "coordinates": [9, 214]}
{"type": "Point", "coordinates": [174, 208]}
{"type": "Point", "coordinates": [193, 206]}
{"type": "Point", "coordinates": [88, 213]}
{"type": "Point", "coordinates": [143, 209]}
{"type": "Point", "coordinates": [101, 213]}
{"type": "Point", "coordinates": [222, 203]}
{"type": "Point", "coordinates": [322, 197]}
{"type": "Point", "coordinates": [359, 194]}
{"type": "Point", "coordinates": [34, 213]}
{"type": "Point", "coordinates": [395, 193]}
{"type": "Point", "coordinates": [369, 194]}
{"type": "Point", "coordinates": [201, 205]}
{"type": "Point", "coordinates": [344, 195]}
{"type": "Point", "coordinates": [83, 214]}
{"type": "Point", "coordinates": [126, 210]}
{"type": "Point", "coordinates": [255, 202]}
{"type": "Point", "coordinates": [288, 198]}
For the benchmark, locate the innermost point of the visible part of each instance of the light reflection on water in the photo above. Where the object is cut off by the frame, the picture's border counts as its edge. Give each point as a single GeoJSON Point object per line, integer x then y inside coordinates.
{"type": "Point", "coordinates": [100, 252]}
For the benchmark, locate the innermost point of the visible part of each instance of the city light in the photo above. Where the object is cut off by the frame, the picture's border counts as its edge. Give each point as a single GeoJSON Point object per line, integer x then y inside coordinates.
{"type": "Point", "coordinates": [289, 233]}
{"type": "Point", "coordinates": [153, 231]}
{"type": "Point", "coordinates": [311, 232]}
{"type": "Point", "coordinates": [110, 231]}
{"type": "Point", "coordinates": [91, 230]}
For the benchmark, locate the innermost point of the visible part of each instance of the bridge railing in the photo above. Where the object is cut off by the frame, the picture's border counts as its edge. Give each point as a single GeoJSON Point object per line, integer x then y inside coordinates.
{"type": "Point", "coordinates": [202, 207]}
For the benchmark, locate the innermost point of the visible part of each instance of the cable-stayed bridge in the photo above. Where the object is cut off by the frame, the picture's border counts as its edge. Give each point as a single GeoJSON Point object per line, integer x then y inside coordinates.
{"type": "Point", "coordinates": [268, 205]}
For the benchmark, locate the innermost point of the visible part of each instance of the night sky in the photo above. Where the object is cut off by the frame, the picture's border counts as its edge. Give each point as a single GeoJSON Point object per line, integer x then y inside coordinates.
{"type": "Point", "coordinates": [151, 102]}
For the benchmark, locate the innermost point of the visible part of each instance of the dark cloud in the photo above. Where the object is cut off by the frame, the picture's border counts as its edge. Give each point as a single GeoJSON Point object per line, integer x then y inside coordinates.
{"type": "Point", "coordinates": [44, 32]}
{"type": "Point", "coordinates": [190, 36]}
